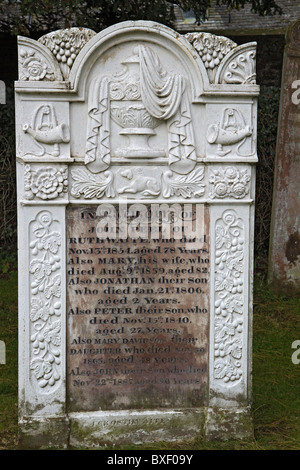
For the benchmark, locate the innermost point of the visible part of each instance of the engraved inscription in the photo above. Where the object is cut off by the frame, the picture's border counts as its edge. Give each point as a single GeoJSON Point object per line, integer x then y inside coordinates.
{"type": "Point", "coordinates": [138, 314]}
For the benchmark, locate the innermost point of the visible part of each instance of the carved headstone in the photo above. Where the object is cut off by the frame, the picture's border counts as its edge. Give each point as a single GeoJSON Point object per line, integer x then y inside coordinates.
{"type": "Point", "coordinates": [136, 152]}
{"type": "Point", "coordinates": [2, 92]}
{"type": "Point", "coordinates": [284, 261]}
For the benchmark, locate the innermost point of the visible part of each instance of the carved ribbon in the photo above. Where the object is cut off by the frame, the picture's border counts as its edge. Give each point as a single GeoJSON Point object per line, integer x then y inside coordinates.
{"type": "Point", "coordinates": [98, 152]}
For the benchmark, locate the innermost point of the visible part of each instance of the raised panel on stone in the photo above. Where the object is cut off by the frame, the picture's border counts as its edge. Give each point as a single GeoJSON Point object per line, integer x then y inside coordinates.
{"type": "Point", "coordinates": [138, 318]}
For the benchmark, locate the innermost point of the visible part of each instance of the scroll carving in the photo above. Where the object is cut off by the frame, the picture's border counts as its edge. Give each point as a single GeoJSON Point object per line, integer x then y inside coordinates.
{"type": "Point", "coordinates": [137, 182]}
{"type": "Point", "coordinates": [224, 60]}
{"type": "Point", "coordinates": [239, 67]}
{"type": "Point", "coordinates": [92, 186]}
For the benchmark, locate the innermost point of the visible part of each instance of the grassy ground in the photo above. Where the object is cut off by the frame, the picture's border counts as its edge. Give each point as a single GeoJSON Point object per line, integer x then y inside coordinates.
{"type": "Point", "coordinates": [276, 380]}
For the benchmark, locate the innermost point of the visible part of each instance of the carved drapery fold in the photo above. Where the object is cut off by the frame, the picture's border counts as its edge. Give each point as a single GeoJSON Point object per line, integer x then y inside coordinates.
{"type": "Point", "coordinates": [164, 97]}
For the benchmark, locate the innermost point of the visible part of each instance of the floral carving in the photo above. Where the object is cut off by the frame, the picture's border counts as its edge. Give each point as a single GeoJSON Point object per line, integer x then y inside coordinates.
{"type": "Point", "coordinates": [45, 183]}
{"type": "Point", "coordinates": [229, 304]}
{"type": "Point", "coordinates": [45, 302]}
{"type": "Point", "coordinates": [92, 186]}
{"type": "Point", "coordinates": [33, 67]}
{"type": "Point", "coordinates": [229, 182]}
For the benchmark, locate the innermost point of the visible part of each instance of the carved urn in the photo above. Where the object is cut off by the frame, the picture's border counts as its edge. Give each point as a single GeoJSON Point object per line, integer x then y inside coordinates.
{"type": "Point", "coordinates": [128, 111]}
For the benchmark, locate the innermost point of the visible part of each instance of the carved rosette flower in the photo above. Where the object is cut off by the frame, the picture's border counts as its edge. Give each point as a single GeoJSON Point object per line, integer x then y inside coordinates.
{"type": "Point", "coordinates": [45, 302]}
{"type": "Point", "coordinates": [45, 183]}
{"type": "Point", "coordinates": [33, 67]}
{"type": "Point", "coordinates": [229, 182]}
{"type": "Point", "coordinates": [229, 306]}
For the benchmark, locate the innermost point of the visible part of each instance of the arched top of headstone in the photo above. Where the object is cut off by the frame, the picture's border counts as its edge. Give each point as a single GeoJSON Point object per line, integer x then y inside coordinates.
{"type": "Point", "coordinates": [293, 39]}
{"type": "Point", "coordinates": [210, 63]}
{"type": "Point", "coordinates": [146, 42]}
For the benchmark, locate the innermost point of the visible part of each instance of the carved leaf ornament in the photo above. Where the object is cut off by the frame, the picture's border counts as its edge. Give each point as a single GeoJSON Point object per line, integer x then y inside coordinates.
{"type": "Point", "coordinates": [97, 186]}
{"type": "Point", "coordinates": [45, 312]}
{"type": "Point", "coordinates": [229, 303]}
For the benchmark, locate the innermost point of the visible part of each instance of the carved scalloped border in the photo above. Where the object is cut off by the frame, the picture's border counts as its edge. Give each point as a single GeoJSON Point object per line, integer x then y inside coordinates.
{"type": "Point", "coordinates": [239, 62]}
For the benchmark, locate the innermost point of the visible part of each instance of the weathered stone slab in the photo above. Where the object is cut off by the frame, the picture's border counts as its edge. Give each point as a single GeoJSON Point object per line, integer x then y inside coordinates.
{"type": "Point", "coordinates": [138, 319]}
{"type": "Point", "coordinates": [284, 261]}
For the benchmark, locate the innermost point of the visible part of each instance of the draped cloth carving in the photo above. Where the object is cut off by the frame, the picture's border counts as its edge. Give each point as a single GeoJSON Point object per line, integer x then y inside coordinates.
{"type": "Point", "coordinates": [164, 97]}
{"type": "Point", "coordinates": [98, 129]}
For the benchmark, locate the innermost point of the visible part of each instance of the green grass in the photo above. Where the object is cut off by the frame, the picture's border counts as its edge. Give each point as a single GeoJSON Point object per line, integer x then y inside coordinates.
{"type": "Point", "coordinates": [276, 380]}
{"type": "Point", "coordinates": [9, 371]}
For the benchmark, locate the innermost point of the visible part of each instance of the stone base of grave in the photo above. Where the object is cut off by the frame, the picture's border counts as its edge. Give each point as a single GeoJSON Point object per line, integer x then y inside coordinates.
{"type": "Point", "coordinates": [44, 433]}
{"type": "Point", "coordinates": [222, 424]}
{"type": "Point", "coordinates": [101, 429]}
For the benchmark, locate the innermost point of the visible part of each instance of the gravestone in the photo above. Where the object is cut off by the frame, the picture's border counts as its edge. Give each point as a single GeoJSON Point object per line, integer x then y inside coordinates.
{"type": "Point", "coordinates": [2, 344]}
{"type": "Point", "coordinates": [136, 152]}
{"type": "Point", "coordinates": [2, 92]}
{"type": "Point", "coordinates": [284, 259]}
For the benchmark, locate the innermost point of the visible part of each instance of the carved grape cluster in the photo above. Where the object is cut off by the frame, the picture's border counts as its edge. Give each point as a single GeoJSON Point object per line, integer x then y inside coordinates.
{"type": "Point", "coordinates": [45, 311]}
{"type": "Point", "coordinates": [65, 53]}
{"type": "Point", "coordinates": [229, 303]}
{"type": "Point", "coordinates": [66, 44]}
{"type": "Point", "coordinates": [212, 49]}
